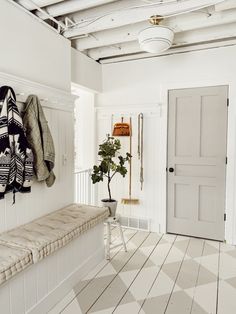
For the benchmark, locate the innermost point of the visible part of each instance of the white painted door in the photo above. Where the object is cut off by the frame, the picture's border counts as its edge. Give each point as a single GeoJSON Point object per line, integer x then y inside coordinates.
{"type": "Point", "coordinates": [197, 137]}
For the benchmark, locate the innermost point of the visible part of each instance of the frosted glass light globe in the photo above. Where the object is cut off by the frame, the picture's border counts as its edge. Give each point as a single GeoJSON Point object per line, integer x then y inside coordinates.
{"type": "Point", "coordinates": [156, 39]}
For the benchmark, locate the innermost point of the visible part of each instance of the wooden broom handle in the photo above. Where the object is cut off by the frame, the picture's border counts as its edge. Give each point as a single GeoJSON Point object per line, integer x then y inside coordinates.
{"type": "Point", "coordinates": [130, 163]}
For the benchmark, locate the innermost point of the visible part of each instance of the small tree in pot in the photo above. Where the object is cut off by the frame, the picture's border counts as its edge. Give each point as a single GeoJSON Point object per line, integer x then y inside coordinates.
{"type": "Point", "coordinates": [110, 164]}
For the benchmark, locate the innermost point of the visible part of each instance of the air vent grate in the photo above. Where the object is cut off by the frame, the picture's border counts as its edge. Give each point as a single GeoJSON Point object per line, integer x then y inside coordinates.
{"type": "Point", "coordinates": [135, 223]}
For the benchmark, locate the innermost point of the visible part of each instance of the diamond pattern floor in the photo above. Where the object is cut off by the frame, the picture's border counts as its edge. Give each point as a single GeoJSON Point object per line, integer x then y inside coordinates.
{"type": "Point", "coordinates": [159, 274]}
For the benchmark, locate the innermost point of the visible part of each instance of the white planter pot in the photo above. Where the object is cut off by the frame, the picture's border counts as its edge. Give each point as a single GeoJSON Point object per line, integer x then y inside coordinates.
{"type": "Point", "coordinates": [111, 205]}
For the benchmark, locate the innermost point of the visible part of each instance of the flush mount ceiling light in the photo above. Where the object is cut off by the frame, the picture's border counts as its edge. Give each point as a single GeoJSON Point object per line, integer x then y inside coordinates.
{"type": "Point", "coordinates": [156, 38]}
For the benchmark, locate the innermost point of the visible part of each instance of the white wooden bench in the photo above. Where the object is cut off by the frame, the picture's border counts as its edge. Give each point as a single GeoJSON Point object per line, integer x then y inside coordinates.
{"type": "Point", "coordinates": [45, 262]}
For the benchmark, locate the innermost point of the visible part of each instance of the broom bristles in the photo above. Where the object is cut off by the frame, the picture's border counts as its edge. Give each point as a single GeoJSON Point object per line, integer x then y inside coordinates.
{"type": "Point", "coordinates": [130, 201]}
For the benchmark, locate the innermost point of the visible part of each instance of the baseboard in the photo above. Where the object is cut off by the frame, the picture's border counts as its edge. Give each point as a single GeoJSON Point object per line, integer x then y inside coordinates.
{"type": "Point", "coordinates": [65, 286]}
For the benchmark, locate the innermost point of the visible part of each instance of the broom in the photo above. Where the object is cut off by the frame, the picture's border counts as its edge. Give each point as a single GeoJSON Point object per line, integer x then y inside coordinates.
{"type": "Point", "coordinates": [130, 200]}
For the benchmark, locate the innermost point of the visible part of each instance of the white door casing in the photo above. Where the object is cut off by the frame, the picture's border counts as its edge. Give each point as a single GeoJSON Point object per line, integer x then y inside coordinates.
{"type": "Point", "coordinates": [197, 140]}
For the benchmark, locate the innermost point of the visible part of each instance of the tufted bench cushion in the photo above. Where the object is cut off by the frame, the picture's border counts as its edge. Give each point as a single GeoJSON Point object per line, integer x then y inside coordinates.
{"type": "Point", "coordinates": [47, 234]}
{"type": "Point", "coordinates": [12, 261]}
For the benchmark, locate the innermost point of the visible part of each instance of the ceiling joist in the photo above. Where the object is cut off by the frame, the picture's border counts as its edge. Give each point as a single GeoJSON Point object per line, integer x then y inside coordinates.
{"type": "Point", "coordinates": [195, 20]}
{"type": "Point", "coordinates": [173, 50]}
{"type": "Point", "coordinates": [109, 29]}
{"type": "Point", "coordinates": [184, 38]}
{"type": "Point", "coordinates": [134, 15]}
{"type": "Point", "coordinates": [226, 5]}
{"type": "Point", "coordinates": [29, 5]}
{"type": "Point", "coordinates": [69, 6]}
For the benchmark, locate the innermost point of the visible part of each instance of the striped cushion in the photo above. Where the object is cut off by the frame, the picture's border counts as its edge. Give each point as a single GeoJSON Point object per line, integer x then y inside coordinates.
{"type": "Point", "coordinates": [47, 234]}
{"type": "Point", "coordinates": [12, 261]}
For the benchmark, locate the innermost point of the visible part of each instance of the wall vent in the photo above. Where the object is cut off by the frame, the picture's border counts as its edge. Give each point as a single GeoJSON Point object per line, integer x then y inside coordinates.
{"type": "Point", "coordinates": [135, 223]}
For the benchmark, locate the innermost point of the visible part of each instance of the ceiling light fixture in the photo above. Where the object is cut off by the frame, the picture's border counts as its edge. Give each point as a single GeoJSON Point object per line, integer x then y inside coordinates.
{"type": "Point", "coordinates": [156, 38]}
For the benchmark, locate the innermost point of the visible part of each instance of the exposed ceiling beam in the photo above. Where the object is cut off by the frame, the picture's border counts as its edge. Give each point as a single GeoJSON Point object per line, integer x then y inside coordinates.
{"type": "Point", "coordinates": [69, 6]}
{"type": "Point", "coordinates": [184, 38]}
{"type": "Point", "coordinates": [134, 15]}
{"type": "Point", "coordinates": [179, 50]}
{"type": "Point", "coordinates": [226, 5]}
{"type": "Point", "coordinates": [40, 3]}
{"type": "Point", "coordinates": [115, 50]}
{"type": "Point", "coordinates": [110, 36]}
{"type": "Point", "coordinates": [128, 33]}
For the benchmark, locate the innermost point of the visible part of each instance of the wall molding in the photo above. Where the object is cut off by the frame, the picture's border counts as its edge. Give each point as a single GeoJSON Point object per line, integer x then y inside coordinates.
{"type": "Point", "coordinates": [50, 97]}
{"type": "Point", "coordinates": [105, 112]}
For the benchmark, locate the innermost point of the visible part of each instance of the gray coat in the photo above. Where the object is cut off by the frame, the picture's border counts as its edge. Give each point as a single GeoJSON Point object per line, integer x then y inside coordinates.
{"type": "Point", "coordinates": [40, 140]}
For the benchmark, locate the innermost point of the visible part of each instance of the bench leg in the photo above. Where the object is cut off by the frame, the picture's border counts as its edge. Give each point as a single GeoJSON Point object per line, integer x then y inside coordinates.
{"type": "Point", "coordinates": [108, 240]}
{"type": "Point", "coordinates": [122, 236]}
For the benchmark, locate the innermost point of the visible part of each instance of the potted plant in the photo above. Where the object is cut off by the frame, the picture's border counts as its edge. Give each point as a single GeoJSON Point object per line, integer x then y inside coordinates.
{"type": "Point", "coordinates": [110, 164]}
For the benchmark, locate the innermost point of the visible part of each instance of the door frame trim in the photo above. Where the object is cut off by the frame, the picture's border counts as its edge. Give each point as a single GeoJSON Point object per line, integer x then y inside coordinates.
{"type": "Point", "coordinates": [230, 207]}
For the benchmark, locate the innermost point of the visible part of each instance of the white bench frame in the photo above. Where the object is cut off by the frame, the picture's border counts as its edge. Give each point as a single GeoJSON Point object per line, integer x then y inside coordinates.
{"type": "Point", "coordinates": [40, 287]}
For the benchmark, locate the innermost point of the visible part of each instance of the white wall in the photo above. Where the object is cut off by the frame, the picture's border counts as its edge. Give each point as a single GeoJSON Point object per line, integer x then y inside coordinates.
{"type": "Point", "coordinates": [143, 84]}
{"type": "Point", "coordinates": [85, 130]}
{"type": "Point", "coordinates": [35, 59]}
{"type": "Point", "coordinates": [31, 50]}
{"type": "Point", "coordinates": [85, 71]}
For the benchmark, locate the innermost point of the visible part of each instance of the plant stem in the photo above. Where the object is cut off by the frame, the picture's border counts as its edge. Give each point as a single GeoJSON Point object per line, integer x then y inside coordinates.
{"type": "Point", "coordinates": [109, 190]}
{"type": "Point", "coordinates": [113, 174]}
{"type": "Point", "coordinates": [108, 184]}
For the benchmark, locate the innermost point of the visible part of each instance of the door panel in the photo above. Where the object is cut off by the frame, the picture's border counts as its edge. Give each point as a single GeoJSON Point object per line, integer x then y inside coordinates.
{"type": "Point", "coordinates": [197, 138]}
{"type": "Point", "coordinates": [207, 203]}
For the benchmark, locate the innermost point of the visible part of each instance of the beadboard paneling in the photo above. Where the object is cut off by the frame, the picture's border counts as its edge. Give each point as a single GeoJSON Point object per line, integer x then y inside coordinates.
{"type": "Point", "coordinates": [39, 287]}
{"type": "Point", "coordinates": [42, 199]}
{"type": "Point", "coordinates": [147, 207]}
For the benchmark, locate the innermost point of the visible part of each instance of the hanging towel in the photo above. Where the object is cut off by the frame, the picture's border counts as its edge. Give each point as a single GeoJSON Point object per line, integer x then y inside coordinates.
{"type": "Point", "coordinates": [40, 140]}
{"type": "Point", "coordinates": [16, 158]}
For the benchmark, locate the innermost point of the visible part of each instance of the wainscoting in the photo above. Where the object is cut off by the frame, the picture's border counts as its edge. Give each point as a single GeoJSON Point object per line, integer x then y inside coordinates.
{"type": "Point", "coordinates": [58, 108]}
{"type": "Point", "coordinates": [146, 213]}
{"type": "Point", "coordinates": [38, 288]}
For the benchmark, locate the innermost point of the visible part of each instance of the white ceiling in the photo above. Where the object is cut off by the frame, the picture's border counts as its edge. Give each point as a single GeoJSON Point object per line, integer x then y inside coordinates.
{"type": "Point", "coordinates": [107, 30]}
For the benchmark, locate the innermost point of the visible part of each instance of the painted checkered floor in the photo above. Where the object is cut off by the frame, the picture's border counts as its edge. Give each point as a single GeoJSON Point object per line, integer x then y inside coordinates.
{"type": "Point", "coordinates": [159, 274]}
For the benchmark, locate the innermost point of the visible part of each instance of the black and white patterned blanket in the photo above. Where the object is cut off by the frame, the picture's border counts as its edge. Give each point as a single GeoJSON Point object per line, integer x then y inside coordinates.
{"type": "Point", "coordinates": [16, 158]}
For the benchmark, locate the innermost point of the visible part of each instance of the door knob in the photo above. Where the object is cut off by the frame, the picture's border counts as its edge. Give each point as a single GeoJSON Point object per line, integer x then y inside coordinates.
{"type": "Point", "coordinates": [171, 169]}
